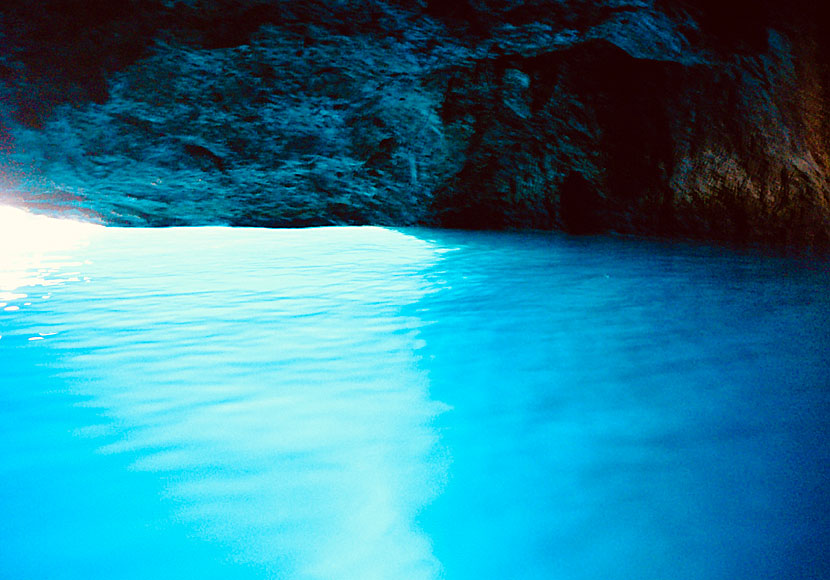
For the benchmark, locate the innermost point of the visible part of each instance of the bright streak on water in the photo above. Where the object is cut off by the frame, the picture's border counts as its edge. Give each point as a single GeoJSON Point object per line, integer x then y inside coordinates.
{"type": "Point", "coordinates": [33, 248]}
{"type": "Point", "coordinates": [370, 403]}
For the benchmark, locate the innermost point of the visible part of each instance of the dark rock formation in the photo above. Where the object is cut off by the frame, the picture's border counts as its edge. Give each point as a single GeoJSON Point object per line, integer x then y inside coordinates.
{"type": "Point", "coordinates": [695, 118]}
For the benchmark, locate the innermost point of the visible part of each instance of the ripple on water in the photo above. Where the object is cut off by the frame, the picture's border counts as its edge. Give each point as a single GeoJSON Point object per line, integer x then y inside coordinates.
{"type": "Point", "coordinates": [370, 403]}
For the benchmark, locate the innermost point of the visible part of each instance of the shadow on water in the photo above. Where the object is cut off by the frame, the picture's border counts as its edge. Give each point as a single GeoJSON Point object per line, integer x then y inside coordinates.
{"type": "Point", "coordinates": [371, 403]}
{"type": "Point", "coordinates": [628, 409]}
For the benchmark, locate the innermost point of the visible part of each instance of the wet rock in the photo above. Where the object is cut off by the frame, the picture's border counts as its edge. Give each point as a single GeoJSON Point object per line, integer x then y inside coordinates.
{"type": "Point", "coordinates": [687, 118]}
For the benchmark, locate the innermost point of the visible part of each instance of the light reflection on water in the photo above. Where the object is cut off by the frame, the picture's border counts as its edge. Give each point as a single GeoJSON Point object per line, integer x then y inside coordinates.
{"type": "Point", "coordinates": [369, 403]}
{"type": "Point", "coordinates": [272, 380]}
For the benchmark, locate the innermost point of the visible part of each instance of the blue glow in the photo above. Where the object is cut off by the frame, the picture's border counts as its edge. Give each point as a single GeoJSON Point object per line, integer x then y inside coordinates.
{"type": "Point", "coordinates": [371, 403]}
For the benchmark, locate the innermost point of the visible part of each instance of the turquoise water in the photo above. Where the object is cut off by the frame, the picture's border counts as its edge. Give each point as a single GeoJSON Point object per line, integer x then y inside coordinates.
{"type": "Point", "coordinates": [405, 404]}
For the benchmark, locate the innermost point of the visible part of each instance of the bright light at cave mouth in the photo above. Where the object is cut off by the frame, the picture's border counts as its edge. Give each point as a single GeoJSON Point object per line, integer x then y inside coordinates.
{"type": "Point", "coordinates": [32, 246]}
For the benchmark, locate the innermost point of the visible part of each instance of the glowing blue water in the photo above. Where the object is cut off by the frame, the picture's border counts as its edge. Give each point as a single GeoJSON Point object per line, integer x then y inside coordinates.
{"type": "Point", "coordinates": [367, 403]}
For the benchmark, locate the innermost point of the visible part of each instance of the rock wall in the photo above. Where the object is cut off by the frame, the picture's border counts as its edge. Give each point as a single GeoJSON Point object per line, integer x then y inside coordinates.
{"type": "Point", "coordinates": [692, 118]}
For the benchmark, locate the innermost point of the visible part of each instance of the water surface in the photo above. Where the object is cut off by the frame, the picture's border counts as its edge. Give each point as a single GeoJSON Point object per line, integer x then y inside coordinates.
{"type": "Point", "coordinates": [373, 403]}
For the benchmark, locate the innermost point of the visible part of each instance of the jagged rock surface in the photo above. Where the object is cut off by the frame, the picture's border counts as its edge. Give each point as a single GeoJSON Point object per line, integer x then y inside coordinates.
{"type": "Point", "coordinates": [697, 119]}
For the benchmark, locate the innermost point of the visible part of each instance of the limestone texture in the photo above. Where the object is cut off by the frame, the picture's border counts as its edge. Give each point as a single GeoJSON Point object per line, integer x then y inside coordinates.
{"type": "Point", "coordinates": [695, 119]}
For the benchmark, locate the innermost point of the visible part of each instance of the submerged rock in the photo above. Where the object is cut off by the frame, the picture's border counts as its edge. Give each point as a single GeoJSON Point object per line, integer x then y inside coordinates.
{"type": "Point", "coordinates": [684, 118]}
